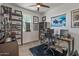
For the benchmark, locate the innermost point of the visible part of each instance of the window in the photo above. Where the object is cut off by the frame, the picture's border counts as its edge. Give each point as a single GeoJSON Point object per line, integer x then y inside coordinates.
{"type": "Point", "coordinates": [27, 20]}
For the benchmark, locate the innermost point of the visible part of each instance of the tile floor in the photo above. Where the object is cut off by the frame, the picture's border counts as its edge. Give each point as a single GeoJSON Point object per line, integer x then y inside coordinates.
{"type": "Point", "coordinates": [24, 50]}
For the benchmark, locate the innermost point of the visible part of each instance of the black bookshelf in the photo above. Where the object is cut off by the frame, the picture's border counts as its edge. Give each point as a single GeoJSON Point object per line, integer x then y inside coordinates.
{"type": "Point", "coordinates": [12, 21]}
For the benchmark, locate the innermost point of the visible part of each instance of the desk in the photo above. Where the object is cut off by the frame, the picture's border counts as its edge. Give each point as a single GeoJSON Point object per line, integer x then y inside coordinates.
{"type": "Point", "coordinates": [69, 44]}
{"type": "Point", "coordinates": [9, 49]}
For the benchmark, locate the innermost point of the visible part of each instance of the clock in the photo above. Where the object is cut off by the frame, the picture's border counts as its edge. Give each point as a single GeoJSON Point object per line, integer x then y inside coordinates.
{"type": "Point", "coordinates": [44, 18]}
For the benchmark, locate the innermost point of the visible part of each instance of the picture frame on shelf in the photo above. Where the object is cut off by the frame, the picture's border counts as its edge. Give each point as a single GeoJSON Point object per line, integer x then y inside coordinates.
{"type": "Point", "coordinates": [18, 12]}
{"type": "Point", "coordinates": [75, 18]}
{"type": "Point", "coordinates": [35, 19]}
{"type": "Point", "coordinates": [44, 18]}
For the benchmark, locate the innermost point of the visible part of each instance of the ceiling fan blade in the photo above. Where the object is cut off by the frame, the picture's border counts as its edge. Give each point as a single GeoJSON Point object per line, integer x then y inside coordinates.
{"type": "Point", "coordinates": [38, 3]}
{"type": "Point", "coordinates": [44, 6]}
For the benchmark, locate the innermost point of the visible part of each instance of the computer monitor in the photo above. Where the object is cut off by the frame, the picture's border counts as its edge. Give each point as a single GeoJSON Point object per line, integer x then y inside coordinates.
{"type": "Point", "coordinates": [63, 32]}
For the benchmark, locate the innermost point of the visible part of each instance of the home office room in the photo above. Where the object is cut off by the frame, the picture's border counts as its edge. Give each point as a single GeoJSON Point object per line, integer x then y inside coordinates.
{"type": "Point", "coordinates": [39, 29]}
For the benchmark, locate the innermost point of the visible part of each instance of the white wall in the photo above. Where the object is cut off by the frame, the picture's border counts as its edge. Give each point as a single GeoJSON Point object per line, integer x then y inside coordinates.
{"type": "Point", "coordinates": [27, 36]}
{"type": "Point", "coordinates": [65, 8]}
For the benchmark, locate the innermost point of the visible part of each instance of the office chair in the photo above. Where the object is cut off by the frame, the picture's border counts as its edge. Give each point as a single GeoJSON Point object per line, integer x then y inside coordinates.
{"type": "Point", "coordinates": [49, 42]}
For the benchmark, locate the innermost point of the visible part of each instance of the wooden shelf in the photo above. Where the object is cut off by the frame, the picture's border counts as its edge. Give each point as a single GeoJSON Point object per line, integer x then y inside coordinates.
{"type": "Point", "coordinates": [16, 24]}
{"type": "Point", "coordinates": [15, 14]}
{"type": "Point", "coordinates": [15, 20]}
{"type": "Point", "coordinates": [16, 30]}
{"type": "Point", "coordinates": [18, 34]}
{"type": "Point", "coordinates": [18, 38]}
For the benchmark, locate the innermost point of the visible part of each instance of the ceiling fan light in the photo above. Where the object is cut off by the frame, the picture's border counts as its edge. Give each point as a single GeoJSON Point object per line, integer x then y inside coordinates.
{"type": "Point", "coordinates": [38, 6]}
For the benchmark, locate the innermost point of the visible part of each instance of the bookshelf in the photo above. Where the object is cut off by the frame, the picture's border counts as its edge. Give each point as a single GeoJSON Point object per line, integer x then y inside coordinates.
{"type": "Point", "coordinates": [12, 22]}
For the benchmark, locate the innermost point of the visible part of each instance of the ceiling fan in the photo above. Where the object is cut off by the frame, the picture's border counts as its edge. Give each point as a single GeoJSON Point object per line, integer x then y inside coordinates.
{"type": "Point", "coordinates": [38, 5]}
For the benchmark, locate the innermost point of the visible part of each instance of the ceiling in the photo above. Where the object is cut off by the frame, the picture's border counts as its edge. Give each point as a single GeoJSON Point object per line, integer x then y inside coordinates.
{"type": "Point", "coordinates": [42, 9]}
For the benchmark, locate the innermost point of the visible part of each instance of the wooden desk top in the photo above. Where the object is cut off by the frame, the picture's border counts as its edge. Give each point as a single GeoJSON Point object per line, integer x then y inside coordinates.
{"type": "Point", "coordinates": [66, 39]}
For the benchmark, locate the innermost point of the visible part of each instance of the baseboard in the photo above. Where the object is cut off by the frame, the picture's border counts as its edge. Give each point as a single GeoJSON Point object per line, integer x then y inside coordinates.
{"type": "Point", "coordinates": [30, 42]}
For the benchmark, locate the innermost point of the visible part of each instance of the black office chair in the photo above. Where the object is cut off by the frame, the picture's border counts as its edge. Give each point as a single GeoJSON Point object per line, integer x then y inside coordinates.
{"type": "Point", "coordinates": [49, 41]}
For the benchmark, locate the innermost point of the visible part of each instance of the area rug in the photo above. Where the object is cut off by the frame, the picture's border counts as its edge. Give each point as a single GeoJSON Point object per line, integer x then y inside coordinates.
{"type": "Point", "coordinates": [40, 51]}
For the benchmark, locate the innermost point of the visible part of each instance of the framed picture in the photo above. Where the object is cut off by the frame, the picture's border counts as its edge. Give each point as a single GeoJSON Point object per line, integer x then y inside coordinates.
{"type": "Point", "coordinates": [44, 18]}
{"type": "Point", "coordinates": [58, 21]}
{"type": "Point", "coordinates": [75, 18]}
{"type": "Point", "coordinates": [35, 19]}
